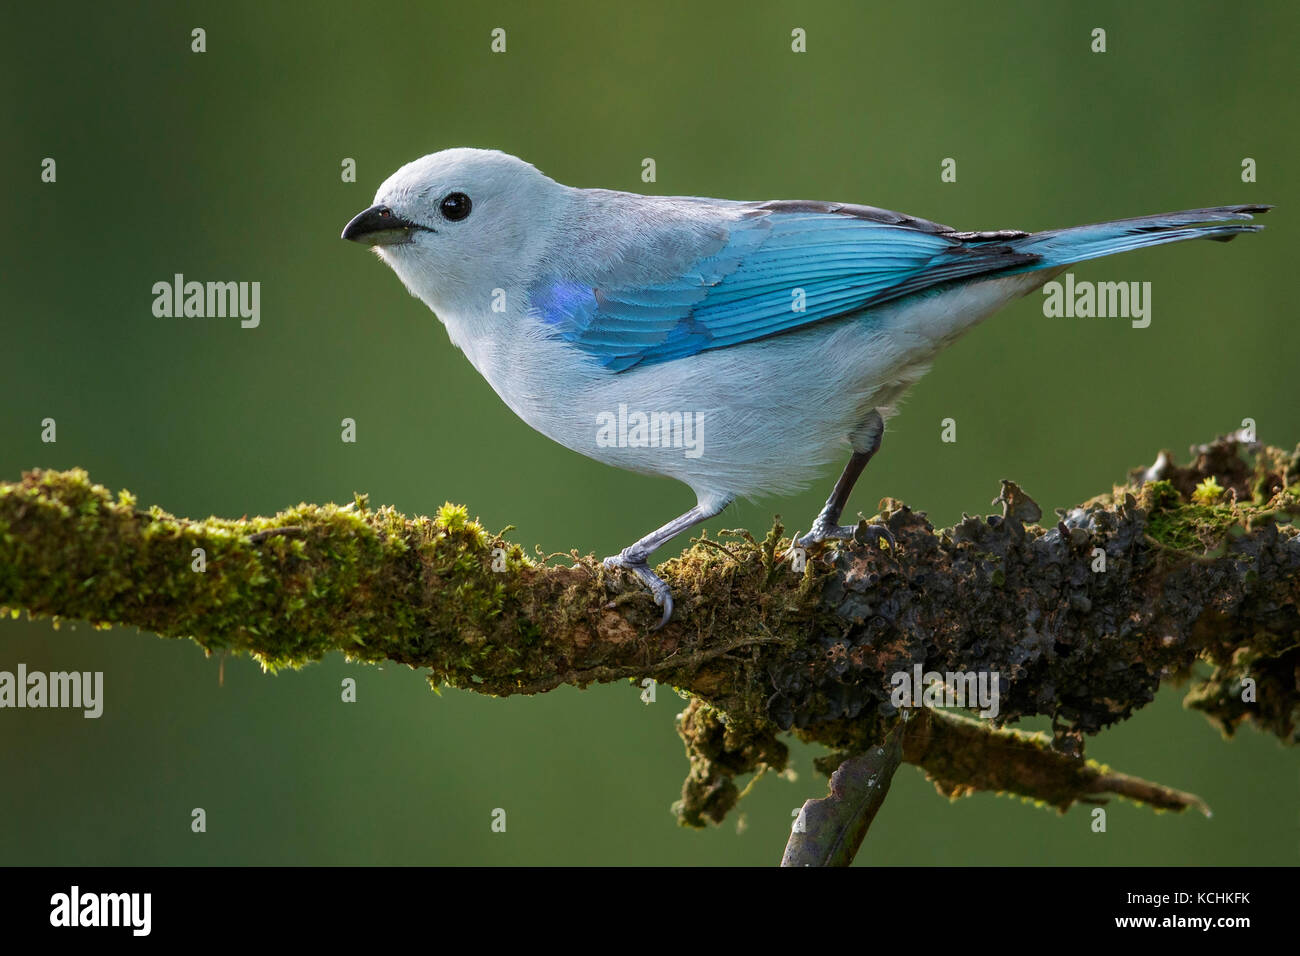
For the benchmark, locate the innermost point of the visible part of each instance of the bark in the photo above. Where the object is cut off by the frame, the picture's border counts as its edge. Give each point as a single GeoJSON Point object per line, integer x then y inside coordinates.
{"type": "Point", "coordinates": [1081, 618]}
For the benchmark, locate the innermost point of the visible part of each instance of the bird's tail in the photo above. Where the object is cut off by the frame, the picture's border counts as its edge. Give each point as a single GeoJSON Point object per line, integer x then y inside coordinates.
{"type": "Point", "coordinates": [1062, 247]}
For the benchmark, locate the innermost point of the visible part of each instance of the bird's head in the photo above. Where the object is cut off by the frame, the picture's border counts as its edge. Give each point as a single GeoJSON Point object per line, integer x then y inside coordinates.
{"type": "Point", "coordinates": [459, 224]}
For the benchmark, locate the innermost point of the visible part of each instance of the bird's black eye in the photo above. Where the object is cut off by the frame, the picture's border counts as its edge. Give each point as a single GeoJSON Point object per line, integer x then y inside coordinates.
{"type": "Point", "coordinates": [455, 206]}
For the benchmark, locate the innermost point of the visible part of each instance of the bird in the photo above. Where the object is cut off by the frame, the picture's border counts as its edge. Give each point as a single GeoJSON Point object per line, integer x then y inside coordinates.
{"type": "Point", "coordinates": [735, 346]}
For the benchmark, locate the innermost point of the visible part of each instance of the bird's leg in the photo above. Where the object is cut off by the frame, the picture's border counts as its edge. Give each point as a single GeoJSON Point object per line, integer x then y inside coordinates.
{"type": "Point", "coordinates": [633, 557]}
{"type": "Point", "coordinates": [827, 525]}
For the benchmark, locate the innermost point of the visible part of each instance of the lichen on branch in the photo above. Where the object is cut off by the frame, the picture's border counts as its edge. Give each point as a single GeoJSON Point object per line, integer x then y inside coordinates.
{"type": "Point", "coordinates": [1082, 618]}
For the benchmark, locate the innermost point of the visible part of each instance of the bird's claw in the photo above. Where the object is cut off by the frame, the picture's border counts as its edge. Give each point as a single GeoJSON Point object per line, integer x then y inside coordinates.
{"type": "Point", "coordinates": [663, 594]}
{"type": "Point", "coordinates": [862, 533]}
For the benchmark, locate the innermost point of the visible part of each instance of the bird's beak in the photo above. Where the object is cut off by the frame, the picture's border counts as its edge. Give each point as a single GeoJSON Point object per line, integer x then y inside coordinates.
{"type": "Point", "coordinates": [379, 226]}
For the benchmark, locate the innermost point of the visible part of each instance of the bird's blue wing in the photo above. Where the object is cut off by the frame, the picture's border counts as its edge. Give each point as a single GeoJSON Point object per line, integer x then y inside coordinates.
{"type": "Point", "coordinates": [781, 267]}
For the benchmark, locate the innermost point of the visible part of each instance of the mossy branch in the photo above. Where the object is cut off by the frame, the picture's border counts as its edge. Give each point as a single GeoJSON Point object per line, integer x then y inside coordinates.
{"type": "Point", "coordinates": [1082, 618]}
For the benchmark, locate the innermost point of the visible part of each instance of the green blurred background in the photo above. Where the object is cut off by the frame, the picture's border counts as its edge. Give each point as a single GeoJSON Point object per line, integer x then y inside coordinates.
{"type": "Point", "coordinates": [226, 166]}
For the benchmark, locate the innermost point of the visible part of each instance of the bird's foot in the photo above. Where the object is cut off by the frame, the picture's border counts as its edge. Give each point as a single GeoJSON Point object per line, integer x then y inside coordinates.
{"type": "Point", "coordinates": [863, 532]}
{"type": "Point", "coordinates": [663, 594]}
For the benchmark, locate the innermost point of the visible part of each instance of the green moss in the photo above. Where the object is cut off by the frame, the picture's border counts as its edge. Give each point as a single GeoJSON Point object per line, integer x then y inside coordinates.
{"type": "Point", "coordinates": [1208, 492]}
{"type": "Point", "coordinates": [286, 589]}
{"type": "Point", "coordinates": [1181, 525]}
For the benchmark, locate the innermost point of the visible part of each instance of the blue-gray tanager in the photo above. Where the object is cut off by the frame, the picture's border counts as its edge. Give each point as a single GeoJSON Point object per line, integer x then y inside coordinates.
{"type": "Point", "coordinates": [734, 346]}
